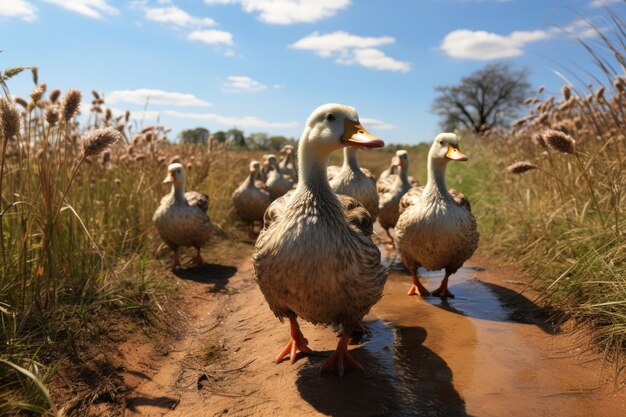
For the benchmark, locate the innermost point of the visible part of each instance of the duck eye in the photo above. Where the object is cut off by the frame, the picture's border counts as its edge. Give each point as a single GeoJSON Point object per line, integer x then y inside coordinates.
{"type": "Point", "coordinates": [330, 117]}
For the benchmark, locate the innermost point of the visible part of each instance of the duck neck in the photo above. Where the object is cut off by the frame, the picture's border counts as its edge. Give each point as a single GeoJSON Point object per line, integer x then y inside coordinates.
{"type": "Point", "coordinates": [276, 169]}
{"type": "Point", "coordinates": [312, 166]}
{"type": "Point", "coordinates": [402, 179]}
{"type": "Point", "coordinates": [351, 160]}
{"type": "Point", "coordinates": [287, 160]}
{"type": "Point", "coordinates": [436, 177]}
{"type": "Point", "coordinates": [178, 191]}
{"type": "Point", "coordinates": [249, 182]}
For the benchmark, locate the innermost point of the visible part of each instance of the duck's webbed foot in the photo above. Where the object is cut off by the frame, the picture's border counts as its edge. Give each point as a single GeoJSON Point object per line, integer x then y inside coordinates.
{"type": "Point", "coordinates": [198, 261]}
{"type": "Point", "coordinates": [297, 343]}
{"type": "Point", "coordinates": [341, 358]}
{"type": "Point", "coordinates": [417, 288]}
{"type": "Point", "coordinates": [176, 263]}
{"type": "Point", "coordinates": [443, 291]}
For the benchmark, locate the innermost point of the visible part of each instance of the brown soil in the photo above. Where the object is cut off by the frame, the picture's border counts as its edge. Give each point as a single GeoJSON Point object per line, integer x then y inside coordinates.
{"type": "Point", "coordinates": [488, 352]}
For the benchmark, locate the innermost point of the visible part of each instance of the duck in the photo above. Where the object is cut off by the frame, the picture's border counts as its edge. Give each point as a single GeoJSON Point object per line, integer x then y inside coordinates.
{"type": "Point", "coordinates": [388, 176]}
{"type": "Point", "coordinates": [276, 184]}
{"type": "Point", "coordinates": [390, 195]}
{"type": "Point", "coordinates": [353, 182]}
{"type": "Point", "coordinates": [288, 164]}
{"type": "Point", "coordinates": [315, 258]}
{"type": "Point", "coordinates": [181, 218]}
{"type": "Point", "coordinates": [436, 228]}
{"type": "Point", "coordinates": [249, 199]}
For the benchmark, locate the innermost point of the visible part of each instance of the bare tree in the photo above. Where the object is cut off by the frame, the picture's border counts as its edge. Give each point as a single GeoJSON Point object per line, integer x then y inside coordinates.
{"type": "Point", "coordinates": [487, 98]}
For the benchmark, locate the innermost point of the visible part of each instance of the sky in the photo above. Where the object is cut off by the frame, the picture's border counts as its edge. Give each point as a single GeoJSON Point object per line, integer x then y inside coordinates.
{"type": "Point", "coordinates": [265, 65]}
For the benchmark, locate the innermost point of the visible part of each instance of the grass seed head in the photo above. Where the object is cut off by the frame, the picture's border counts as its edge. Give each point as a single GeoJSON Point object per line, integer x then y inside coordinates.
{"type": "Point", "coordinates": [521, 167]}
{"type": "Point", "coordinates": [99, 140]}
{"type": "Point", "coordinates": [9, 119]}
{"type": "Point", "coordinates": [566, 92]}
{"type": "Point", "coordinates": [54, 95]}
{"type": "Point", "coordinates": [559, 141]}
{"type": "Point", "coordinates": [21, 102]}
{"type": "Point", "coordinates": [37, 92]}
{"type": "Point", "coordinates": [70, 105]}
{"type": "Point", "coordinates": [52, 114]}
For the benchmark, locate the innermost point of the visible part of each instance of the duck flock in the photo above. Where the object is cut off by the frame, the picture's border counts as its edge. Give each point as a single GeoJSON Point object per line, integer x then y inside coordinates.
{"type": "Point", "coordinates": [314, 257]}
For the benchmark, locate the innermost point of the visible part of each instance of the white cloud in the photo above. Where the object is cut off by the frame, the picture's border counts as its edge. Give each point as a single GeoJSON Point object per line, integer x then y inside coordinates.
{"type": "Point", "coordinates": [174, 15]}
{"type": "Point", "coordinates": [212, 37]}
{"type": "Point", "coordinates": [89, 8]}
{"type": "Point", "coordinates": [243, 121]}
{"type": "Point", "coordinates": [376, 59]}
{"type": "Point", "coordinates": [482, 45]}
{"type": "Point", "coordinates": [326, 45]}
{"type": "Point", "coordinates": [148, 96]}
{"type": "Point", "coordinates": [286, 12]}
{"type": "Point", "coordinates": [348, 49]}
{"type": "Point", "coordinates": [242, 84]}
{"type": "Point", "coordinates": [602, 3]}
{"type": "Point", "coordinates": [375, 124]}
{"type": "Point", "coordinates": [581, 29]}
{"type": "Point", "coordinates": [18, 8]}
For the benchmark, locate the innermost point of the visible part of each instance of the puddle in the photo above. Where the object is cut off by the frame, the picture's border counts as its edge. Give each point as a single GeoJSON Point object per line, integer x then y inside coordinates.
{"type": "Point", "coordinates": [479, 354]}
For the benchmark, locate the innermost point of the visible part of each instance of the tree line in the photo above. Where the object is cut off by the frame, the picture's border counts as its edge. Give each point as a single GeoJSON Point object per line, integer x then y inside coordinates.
{"type": "Point", "coordinates": [485, 99]}
{"type": "Point", "coordinates": [236, 138]}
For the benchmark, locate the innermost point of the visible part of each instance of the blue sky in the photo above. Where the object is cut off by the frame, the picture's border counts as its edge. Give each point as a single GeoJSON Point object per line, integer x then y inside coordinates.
{"type": "Point", "coordinates": [264, 65]}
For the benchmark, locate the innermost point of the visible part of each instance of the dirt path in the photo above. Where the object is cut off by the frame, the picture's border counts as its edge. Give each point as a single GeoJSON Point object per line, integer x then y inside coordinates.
{"type": "Point", "coordinates": [480, 354]}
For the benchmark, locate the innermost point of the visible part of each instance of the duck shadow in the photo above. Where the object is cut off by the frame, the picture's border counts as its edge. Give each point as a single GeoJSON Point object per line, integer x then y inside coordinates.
{"type": "Point", "coordinates": [401, 378]}
{"type": "Point", "coordinates": [215, 274]}
{"type": "Point", "coordinates": [163, 402]}
{"type": "Point", "coordinates": [488, 301]}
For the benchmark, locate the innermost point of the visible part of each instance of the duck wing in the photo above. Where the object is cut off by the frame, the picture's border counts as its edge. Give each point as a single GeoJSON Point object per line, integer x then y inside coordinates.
{"type": "Point", "coordinates": [196, 199]}
{"type": "Point", "coordinates": [412, 197]}
{"type": "Point", "coordinates": [460, 199]}
{"type": "Point", "coordinates": [369, 174]}
{"type": "Point", "coordinates": [332, 171]}
{"type": "Point", "coordinates": [275, 210]}
{"type": "Point", "coordinates": [356, 214]}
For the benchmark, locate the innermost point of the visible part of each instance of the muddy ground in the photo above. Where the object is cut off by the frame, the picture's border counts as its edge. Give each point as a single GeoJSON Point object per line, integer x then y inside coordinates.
{"type": "Point", "coordinates": [487, 352]}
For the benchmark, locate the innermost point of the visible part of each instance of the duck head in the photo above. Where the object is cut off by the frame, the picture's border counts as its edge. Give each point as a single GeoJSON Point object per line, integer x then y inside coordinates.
{"type": "Point", "coordinates": [401, 159]}
{"type": "Point", "coordinates": [286, 150]}
{"type": "Point", "coordinates": [271, 162]}
{"type": "Point", "coordinates": [445, 148]}
{"type": "Point", "coordinates": [175, 175]}
{"type": "Point", "coordinates": [334, 126]}
{"type": "Point", "coordinates": [255, 166]}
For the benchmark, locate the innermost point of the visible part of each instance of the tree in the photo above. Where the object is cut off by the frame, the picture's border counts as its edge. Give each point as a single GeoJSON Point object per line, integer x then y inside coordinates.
{"type": "Point", "coordinates": [487, 98]}
{"type": "Point", "coordinates": [220, 136]}
{"type": "Point", "coordinates": [236, 137]}
{"type": "Point", "coordinates": [199, 135]}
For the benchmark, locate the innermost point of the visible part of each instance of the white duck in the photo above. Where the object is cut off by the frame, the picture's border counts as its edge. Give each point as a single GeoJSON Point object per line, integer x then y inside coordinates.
{"type": "Point", "coordinates": [288, 164]}
{"type": "Point", "coordinates": [315, 257]}
{"type": "Point", "coordinates": [181, 219]}
{"type": "Point", "coordinates": [390, 196]}
{"type": "Point", "coordinates": [436, 228]}
{"type": "Point", "coordinates": [388, 176]}
{"type": "Point", "coordinates": [353, 182]}
{"type": "Point", "coordinates": [276, 184]}
{"type": "Point", "coordinates": [251, 201]}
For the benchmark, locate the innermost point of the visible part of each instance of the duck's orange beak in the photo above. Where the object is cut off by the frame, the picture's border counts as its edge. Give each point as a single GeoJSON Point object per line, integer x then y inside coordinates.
{"type": "Point", "coordinates": [455, 154]}
{"type": "Point", "coordinates": [356, 135]}
{"type": "Point", "coordinates": [169, 179]}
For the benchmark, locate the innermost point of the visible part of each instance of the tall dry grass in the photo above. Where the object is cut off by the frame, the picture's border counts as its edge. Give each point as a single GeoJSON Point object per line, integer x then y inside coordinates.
{"type": "Point", "coordinates": [560, 207]}
{"type": "Point", "coordinates": [76, 228]}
